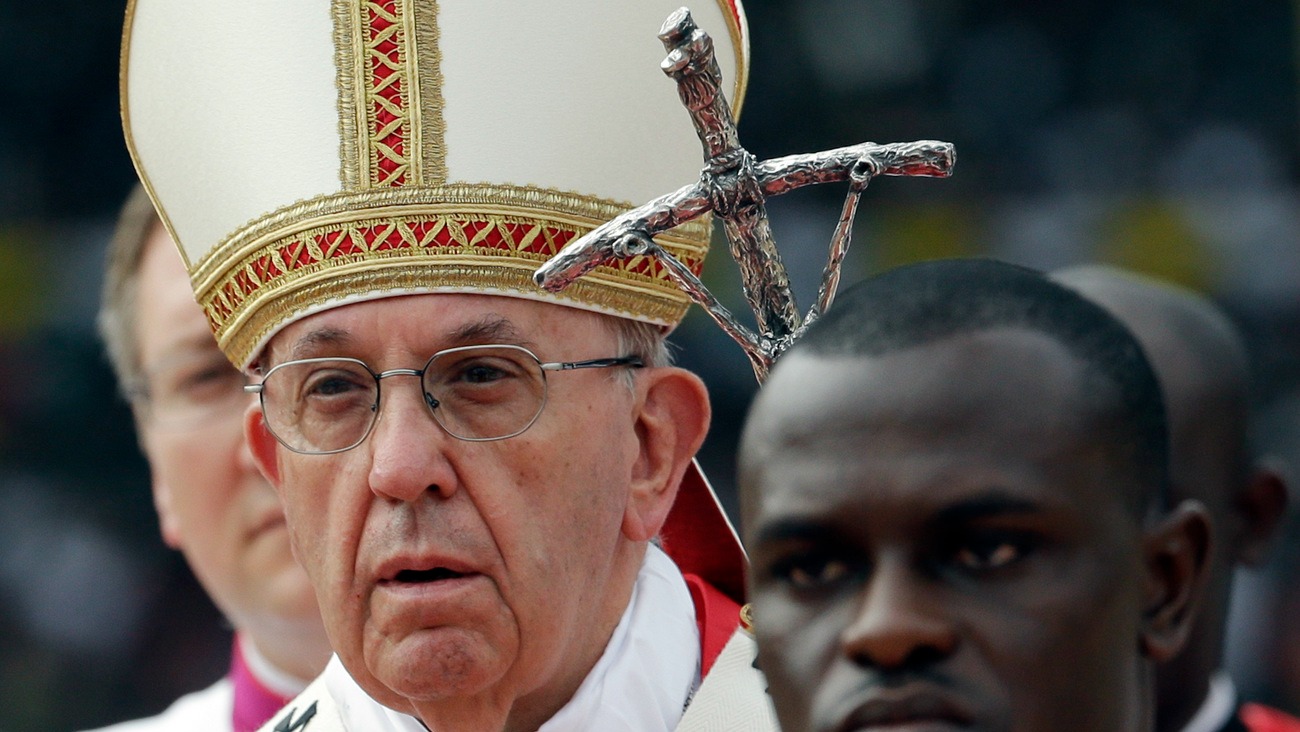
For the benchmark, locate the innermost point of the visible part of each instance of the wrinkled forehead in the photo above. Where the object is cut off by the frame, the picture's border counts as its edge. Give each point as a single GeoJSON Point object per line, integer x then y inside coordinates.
{"type": "Point", "coordinates": [420, 325]}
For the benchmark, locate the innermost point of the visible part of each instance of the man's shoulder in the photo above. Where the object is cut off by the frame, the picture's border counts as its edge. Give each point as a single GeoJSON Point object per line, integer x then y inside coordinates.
{"type": "Point", "coordinates": [207, 710]}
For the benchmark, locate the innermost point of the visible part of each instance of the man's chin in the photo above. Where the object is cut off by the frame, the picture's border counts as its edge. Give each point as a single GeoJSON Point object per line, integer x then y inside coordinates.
{"type": "Point", "coordinates": [432, 666]}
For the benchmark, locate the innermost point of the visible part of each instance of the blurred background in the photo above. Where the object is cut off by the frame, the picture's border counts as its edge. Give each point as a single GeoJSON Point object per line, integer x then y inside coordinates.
{"type": "Point", "coordinates": [1155, 134]}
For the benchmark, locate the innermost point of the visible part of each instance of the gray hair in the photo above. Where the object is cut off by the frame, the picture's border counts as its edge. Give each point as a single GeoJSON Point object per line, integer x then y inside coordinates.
{"type": "Point", "coordinates": [645, 340]}
{"type": "Point", "coordinates": [118, 299]}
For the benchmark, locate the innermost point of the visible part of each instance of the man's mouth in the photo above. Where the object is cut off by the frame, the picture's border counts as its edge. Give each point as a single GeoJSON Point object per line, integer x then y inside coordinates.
{"type": "Point", "coordinates": [416, 576]}
{"type": "Point", "coordinates": [904, 709]}
{"type": "Point", "coordinates": [424, 572]}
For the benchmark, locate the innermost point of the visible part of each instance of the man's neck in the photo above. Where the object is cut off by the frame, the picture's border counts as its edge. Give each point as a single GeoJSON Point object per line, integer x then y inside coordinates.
{"type": "Point", "coordinates": [273, 677]}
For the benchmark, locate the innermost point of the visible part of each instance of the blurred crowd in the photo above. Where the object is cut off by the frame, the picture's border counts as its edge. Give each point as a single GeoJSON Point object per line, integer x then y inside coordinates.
{"type": "Point", "coordinates": [1158, 135]}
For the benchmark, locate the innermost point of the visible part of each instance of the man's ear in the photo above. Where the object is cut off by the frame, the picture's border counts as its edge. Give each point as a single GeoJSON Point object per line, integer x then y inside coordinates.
{"type": "Point", "coordinates": [168, 524]}
{"type": "Point", "coordinates": [1260, 505]}
{"type": "Point", "coordinates": [671, 421]}
{"type": "Point", "coordinates": [262, 444]}
{"type": "Point", "coordinates": [1176, 553]}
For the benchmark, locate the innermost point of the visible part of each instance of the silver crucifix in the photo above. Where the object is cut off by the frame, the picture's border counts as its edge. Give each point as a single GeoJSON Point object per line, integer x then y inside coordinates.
{"type": "Point", "coordinates": [734, 186]}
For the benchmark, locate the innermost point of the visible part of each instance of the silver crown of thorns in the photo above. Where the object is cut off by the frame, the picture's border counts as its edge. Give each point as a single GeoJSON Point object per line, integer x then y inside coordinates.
{"type": "Point", "coordinates": [734, 186]}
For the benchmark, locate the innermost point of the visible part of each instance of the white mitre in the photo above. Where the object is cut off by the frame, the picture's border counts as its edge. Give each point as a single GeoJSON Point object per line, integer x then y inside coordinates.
{"type": "Point", "coordinates": [306, 153]}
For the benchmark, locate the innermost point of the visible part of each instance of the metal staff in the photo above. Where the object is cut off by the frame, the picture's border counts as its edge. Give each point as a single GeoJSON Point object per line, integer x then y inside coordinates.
{"type": "Point", "coordinates": [734, 186]}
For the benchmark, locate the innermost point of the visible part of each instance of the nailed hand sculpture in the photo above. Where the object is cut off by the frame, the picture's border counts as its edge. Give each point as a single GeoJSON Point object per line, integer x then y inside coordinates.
{"type": "Point", "coordinates": [734, 186]}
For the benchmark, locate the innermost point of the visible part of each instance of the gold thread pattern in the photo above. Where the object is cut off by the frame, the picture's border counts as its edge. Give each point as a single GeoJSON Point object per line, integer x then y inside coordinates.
{"type": "Point", "coordinates": [469, 252]}
{"type": "Point", "coordinates": [572, 209]}
{"type": "Point", "coordinates": [347, 44]}
{"type": "Point", "coordinates": [242, 343]}
{"type": "Point", "coordinates": [429, 135]}
{"type": "Point", "coordinates": [387, 92]}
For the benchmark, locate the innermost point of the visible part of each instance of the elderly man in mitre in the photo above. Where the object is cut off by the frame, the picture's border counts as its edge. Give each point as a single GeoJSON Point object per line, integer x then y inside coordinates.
{"type": "Point", "coordinates": [491, 486]}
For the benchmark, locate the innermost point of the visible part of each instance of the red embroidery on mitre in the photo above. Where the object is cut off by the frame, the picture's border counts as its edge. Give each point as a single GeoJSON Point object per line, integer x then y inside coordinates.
{"type": "Point", "coordinates": [389, 130]}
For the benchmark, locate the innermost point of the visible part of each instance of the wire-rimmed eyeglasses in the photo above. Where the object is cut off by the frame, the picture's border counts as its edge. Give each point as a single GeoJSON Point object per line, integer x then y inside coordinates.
{"type": "Point", "coordinates": [319, 406]}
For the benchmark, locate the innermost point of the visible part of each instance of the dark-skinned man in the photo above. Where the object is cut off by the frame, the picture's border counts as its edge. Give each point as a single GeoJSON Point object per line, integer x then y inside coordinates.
{"type": "Point", "coordinates": [947, 489]}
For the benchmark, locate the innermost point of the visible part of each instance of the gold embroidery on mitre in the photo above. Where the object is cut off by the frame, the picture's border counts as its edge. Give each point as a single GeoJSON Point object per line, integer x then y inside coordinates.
{"type": "Point", "coordinates": [349, 51]}
{"type": "Point", "coordinates": [390, 93]}
{"type": "Point", "coordinates": [406, 277]}
{"type": "Point", "coordinates": [690, 239]}
{"type": "Point", "coordinates": [455, 238]}
{"type": "Point", "coordinates": [426, 69]}
{"type": "Point", "coordinates": [386, 92]}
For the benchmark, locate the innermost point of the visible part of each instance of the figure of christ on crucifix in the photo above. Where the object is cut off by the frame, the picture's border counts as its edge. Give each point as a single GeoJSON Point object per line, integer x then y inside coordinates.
{"type": "Point", "coordinates": [733, 185]}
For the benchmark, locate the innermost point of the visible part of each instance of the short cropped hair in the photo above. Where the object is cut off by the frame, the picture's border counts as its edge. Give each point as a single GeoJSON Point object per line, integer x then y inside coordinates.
{"type": "Point", "coordinates": [920, 303]}
{"type": "Point", "coordinates": [118, 299]}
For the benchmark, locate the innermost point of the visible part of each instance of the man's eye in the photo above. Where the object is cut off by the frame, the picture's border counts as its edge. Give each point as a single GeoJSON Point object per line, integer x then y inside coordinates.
{"type": "Point", "coordinates": [983, 554]}
{"type": "Point", "coordinates": [812, 572]}
{"type": "Point", "coordinates": [331, 384]}
{"type": "Point", "coordinates": [482, 374]}
{"type": "Point", "coordinates": [201, 384]}
{"type": "Point", "coordinates": [208, 375]}
{"type": "Point", "coordinates": [480, 370]}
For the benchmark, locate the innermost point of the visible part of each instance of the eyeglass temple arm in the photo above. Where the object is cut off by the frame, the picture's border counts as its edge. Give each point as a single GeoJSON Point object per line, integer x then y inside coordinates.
{"type": "Point", "coordinates": [595, 363]}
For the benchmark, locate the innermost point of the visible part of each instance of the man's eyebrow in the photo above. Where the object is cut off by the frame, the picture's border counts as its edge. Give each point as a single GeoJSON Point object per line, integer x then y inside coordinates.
{"type": "Point", "coordinates": [310, 344]}
{"type": "Point", "coordinates": [197, 344]}
{"type": "Point", "coordinates": [793, 528]}
{"type": "Point", "coordinates": [993, 503]}
{"type": "Point", "coordinates": [489, 329]}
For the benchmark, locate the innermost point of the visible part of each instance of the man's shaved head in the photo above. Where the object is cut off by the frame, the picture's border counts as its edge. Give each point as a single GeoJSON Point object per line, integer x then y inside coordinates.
{"type": "Point", "coordinates": [917, 304]}
{"type": "Point", "coordinates": [1202, 366]}
{"type": "Point", "coordinates": [1204, 371]}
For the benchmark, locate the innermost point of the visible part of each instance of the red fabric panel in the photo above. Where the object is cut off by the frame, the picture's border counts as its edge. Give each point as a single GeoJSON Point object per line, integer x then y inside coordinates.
{"type": "Point", "coordinates": [718, 617]}
{"type": "Point", "coordinates": [699, 538]}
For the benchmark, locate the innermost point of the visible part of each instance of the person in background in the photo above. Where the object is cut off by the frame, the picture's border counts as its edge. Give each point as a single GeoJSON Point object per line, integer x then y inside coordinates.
{"type": "Point", "coordinates": [213, 504]}
{"type": "Point", "coordinates": [946, 489]}
{"type": "Point", "coordinates": [1204, 373]}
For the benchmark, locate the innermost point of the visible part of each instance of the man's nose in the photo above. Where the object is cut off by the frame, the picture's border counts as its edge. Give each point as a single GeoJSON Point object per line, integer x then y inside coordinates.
{"type": "Point", "coordinates": [901, 621]}
{"type": "Point", "coordinates": [408, 447]}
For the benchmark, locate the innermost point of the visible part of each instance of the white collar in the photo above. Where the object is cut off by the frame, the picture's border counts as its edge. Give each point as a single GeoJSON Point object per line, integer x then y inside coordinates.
{"type": "Point", "coordinates": [641, 682]}
{"type": "Point", "coordinates": [269, 675]}
{"type": "Point", "coordinates": [1220, 701]}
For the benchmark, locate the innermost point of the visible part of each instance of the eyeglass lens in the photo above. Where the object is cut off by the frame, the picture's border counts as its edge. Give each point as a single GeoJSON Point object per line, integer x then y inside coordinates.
{"type": "Point", "coordinates": [477, 393]}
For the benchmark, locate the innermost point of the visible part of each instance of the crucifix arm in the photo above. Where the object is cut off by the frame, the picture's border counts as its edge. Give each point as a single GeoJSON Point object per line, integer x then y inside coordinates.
{"type": "Point", "coordinates": [923, 158]}
{"type": "Point", "coordinates": [623, 236]}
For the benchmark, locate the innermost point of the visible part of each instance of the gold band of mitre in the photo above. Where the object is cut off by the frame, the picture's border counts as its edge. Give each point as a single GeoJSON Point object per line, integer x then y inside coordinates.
{"type": "Point", "coordinates": [461, 238]}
